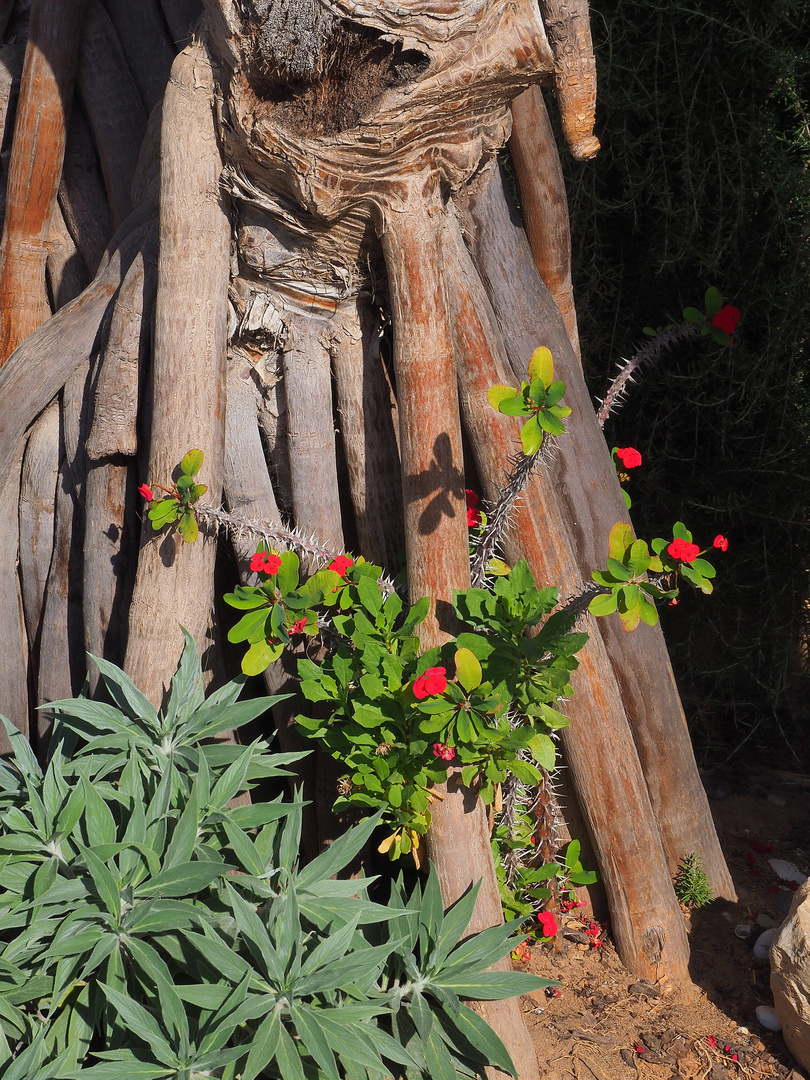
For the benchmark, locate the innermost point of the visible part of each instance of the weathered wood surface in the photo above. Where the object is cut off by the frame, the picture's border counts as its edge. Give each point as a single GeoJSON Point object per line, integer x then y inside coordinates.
{"type": "Point", "coordinates": [14, 654]}
{"type": "Point", "coordinates": [82, 194]}
{"type": "Point", "coordinates": [62, 663]}
{"type": "Point", "coordinates": [37, 151]}
{"type": "Point", "coordinates": [568, 25]}
{"type": "Point", "coordinates": [113, 106]}
{"type": "Point", "coordinates": [599, 743]}
{"type": "Point", "coordinates": [311, 432]}
{"type": "Point", "coordinates": [367, 431]}
{"type": "Point", "coordinates": [42, 364]}
{"type": "Point", "coordinates": [36, 510]}
{"type": "Point", "coordinates": [543, 200]}
{"type": "Point", "coordinates": [174, 581]}
{"type": "Point", "coordinates": [142, 32]}
{"type": "Point", "coordinates": [110, 533]}
{"type": "Point", "coordinates": [589, 494]}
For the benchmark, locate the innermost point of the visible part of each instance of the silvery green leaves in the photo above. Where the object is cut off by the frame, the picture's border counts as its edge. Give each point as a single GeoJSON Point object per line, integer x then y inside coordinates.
{"type": "Point", "coordinates": [150, 930]}
{"type": "Point", "coordinates": [538, 399]}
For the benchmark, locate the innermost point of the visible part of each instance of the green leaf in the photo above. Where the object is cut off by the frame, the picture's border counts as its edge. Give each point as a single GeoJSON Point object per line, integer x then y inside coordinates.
{"type": "Point", "coordinates": [604, 604]}
{"type": "Point", "coordinates": [184, 879]}
{"type": "Point", "coordinates": [260, 656]}
{"type": "Point", "coordinates": [514, 406]}
{"type": "Point", "coordinates": [531, 436]}
{"type": "Point", "coordinates": [493, 985]}
{"type": "Point", "coordinates": [550, 422]}
{"type": "Point", "coordinates": [555, 393]}
{"type": "Point", "coordinates": [499, 393]}
{"type": "Point", "coordinates": [188, 528]}
{"type": "Point", "coordinates": [478, 1034]}
{"type": "Point", "coordinates": [639, 558]}
{"type": "Point", "coordinates": [140, 1023]}
{"type": "Point", "coordinates": [263, 1046]}
{"type": "Point", "coordinates": [713, 301]}
{"type": "Point", "coordinates": [619, 570]}
{"type": "Point", "coordinates": [468, 669]}
{"type": "Point", "coordinates": [105, 883]}
{"type": "Point", "coordinates": [163, 511]}
{"type": "Point", "coordinates": [192, 462]}
{"type": "Point", "coordinates": [543, 751]}
{"type": "Point", "coordinates": [621, 537]}
{"type": "Point", "coordinates": [541, 366]}
{"type": "Point", "coordinates": [692, 315]}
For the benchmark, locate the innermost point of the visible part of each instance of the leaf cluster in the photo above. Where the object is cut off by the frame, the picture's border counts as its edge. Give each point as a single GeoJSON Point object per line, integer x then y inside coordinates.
{"type": "Point", "coordinates": [149, 929]}
{"type": "Point", "coordinates": [178, 504]}
{"type": "Point", "coordinates": [538, 398]}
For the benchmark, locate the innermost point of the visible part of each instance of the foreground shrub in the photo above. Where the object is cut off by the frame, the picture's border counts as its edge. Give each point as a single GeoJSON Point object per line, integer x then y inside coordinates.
{"type": "Point", "coordinates": [149, 930]}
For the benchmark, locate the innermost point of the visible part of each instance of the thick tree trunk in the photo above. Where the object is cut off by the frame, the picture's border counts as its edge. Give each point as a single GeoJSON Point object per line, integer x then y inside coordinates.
{"type": "Point", "coordinates": [174, 582]}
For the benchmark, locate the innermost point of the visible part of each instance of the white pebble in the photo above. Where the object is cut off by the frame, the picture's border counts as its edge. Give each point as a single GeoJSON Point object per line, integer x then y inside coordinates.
{"type": "Point", "coordinates": [763, 944]}
{"type": "Point", "coordinates": [766, 1015]}
{"type": "Point", "coordinates": [787, 871]}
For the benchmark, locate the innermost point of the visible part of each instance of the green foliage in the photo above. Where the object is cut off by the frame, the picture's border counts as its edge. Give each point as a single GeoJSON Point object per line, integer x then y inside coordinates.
{"type": "Point", "coordinates": [178, 505]}
{"type": "Point", "coordinates": [393, 717]}
{"type": "Point", "coordinates": [150, 930]}
{"type": "Point", "coordinates": [538, 398]}
{"type": "Point", "coordinates": [691, 884]}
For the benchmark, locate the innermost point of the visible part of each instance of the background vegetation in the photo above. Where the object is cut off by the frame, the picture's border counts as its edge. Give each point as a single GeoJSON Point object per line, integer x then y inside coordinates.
{"type": "Point", "coordinates": [703, 179]}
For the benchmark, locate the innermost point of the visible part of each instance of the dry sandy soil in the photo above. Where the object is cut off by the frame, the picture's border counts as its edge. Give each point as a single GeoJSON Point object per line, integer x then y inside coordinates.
{"type": "Point", "coordinates": [605, 1025]}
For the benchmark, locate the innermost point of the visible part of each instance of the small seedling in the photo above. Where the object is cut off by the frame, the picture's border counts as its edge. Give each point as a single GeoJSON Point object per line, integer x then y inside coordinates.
{"type": "Point", "coordinates": [691, 884]}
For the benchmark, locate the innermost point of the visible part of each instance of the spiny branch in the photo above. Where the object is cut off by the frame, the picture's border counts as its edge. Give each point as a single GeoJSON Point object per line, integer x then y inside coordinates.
{"type": "Point", "coordinates": [649, 354]}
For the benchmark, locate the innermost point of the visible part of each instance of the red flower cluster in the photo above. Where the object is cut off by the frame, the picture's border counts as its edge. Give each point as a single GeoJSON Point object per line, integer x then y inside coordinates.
{"type": "Point", "coordinates": [298, 626]}
{"type": "Point", "coordinates": [569, 905]}
{"type": "Point", "coordinates": [594, 932]}
{"type": "Point", "coordinates": [433, 682]}
{"type": "Point", "coordinates": [548, 924]}
{"type": "Point", "coordinates": [720, 542]}
{"type": "Point", "coordinates": [473, 515]}
{"type": "Point", "coordinates": [265, 563]}
{"type": "Point", "coordinates": [726, 319]}
{"type": "Point", "coordinates": [146, 492]}
{"type": "Point", "coordinates": [629, 457]}
{"type": "Point", "coordinates": [683, 550]}
{"type": "Point", "coordinates": [440, 750]}
{"type": "Point", "coordinates": [341, 564]}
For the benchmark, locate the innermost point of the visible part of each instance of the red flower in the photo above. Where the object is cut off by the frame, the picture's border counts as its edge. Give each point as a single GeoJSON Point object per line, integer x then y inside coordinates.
{"type": "Point", "coordinates": [720, 542]}
{"type": "Point", "coordinates": [711, 1040]}
{"type": "Point", "coordinates": [683, 550]}
{"type": "Point", "coordinates": [446, 753]}
{"type": "Point", "coordinates": [639, 1049]}
{"type": "Point", "coordinates": [341, 564]}
{"type": "Point", "coordinates": [147, 493]}
{"type": "Point", "coordinates": [629, 457]}
{"type": "Point", "coordinates": [430, 684]}
{"type": "Point", "coordinates": [264, 563]}
{"type": "Point", "coordinates": [726, 319]}
{"type": "Point", "coordinates": [548, 924]}
{"type": "Point", "coordinates": [473, 517]}
{"type": "Point", "coordinates": [298, 626]}
{"type": "Point", "coordinates": [471, 497]}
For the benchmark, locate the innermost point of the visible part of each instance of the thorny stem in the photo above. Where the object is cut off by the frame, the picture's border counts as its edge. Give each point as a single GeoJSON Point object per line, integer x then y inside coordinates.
{"type": "Point", "coordinates": [648, 354]}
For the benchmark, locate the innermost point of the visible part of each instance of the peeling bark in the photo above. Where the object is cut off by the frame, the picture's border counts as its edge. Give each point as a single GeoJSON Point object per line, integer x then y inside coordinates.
{"type": "Point", "coordinates": [568, 24]}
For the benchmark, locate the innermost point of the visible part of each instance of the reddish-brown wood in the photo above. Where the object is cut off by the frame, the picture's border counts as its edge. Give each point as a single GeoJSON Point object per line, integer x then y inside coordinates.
{"type": "Point", "coordinates": [37, 152]}
{"type": "Point", "coordinates": [644, 912]}
{"type": "Point", "coordinates": [590, 501]}
{"type": "Point", "coordinates": [543, 200]}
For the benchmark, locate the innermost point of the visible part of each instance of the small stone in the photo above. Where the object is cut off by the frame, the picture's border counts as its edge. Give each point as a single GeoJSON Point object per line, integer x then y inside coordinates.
{"type": "Point", "coordinates": [763, 944]}
{"type": "Point", "coordinates": [628, 1057]}
{"type": "Point", "coordinates": [766, 1015]}
{"type": "Point", "coordinates": [787, 871]}
{"type": "Point", "coordinates": [765, 921]}
{"type": "Point", "coordinates": [777, 800]}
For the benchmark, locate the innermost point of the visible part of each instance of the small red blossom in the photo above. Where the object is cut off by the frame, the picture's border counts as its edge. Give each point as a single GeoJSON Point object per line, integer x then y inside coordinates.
{"type": "Point", "coordinates": [711, 1040]}
{"type": "Point", "coordinates": [762, 847]}
{"type": "Point", "coordinates": [471, 497]}
{"type": "Point", "coordinates": [726, 1048]}
{"type": "Point", "coordinates": [341, 564]}
{"type": "Point", "coordinates": [674, 602]}
{"type": "Point", "coordinates": [264, 563]}
{"type": "Point", "coordinates": [473, 517]}
{"type": "Point", "coordinates": [727, 318]}
{"type": "Point", "coordinates": [720, 542]}
{"type": "Point", "coordinates": [446, 753]}
{"type": "Point", "coordinates": [734, 1057]}
{"type": "Point", "coordinates": [629, 457]}
{"type": "Point", "coordinates": [298, 626]}
{"type": "Point", "coordinates": [548, 924]}
{"type": "Point", "coordinates": [683, 550]}
{"type": "Point", "coordinates": [521, 952]}
{"type": "Point", "coordinates": [146, 492]}
{"type": "Point", "coordinates": [432, 683]}
{"type": "Point", "coordinates": [639, 1049]}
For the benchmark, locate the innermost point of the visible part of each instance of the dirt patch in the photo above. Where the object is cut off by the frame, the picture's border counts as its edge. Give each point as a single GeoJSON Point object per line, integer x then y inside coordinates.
{"type": "Point", "coordinates": [606, 1025]}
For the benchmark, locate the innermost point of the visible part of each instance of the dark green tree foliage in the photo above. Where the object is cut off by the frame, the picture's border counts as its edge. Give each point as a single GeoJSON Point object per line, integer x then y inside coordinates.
{"type": "Point", "coordinates": [703, 179]}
